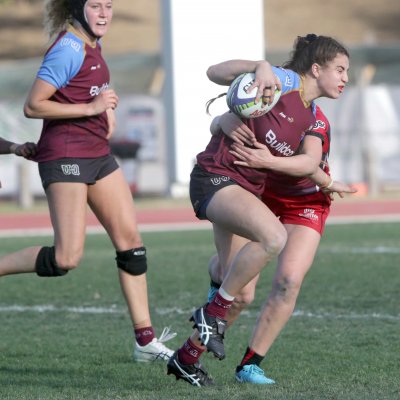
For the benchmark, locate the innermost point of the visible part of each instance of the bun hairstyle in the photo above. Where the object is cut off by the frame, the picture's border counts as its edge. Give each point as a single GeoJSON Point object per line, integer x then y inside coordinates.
{"type": "Point", "coordinates": [77, 9]}
{"type": "Point", "coordinates": [311, 49]}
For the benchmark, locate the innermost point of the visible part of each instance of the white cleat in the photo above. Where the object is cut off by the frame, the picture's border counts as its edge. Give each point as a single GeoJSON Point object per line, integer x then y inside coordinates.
{"type": "Point", "coordinates": [155, 350]}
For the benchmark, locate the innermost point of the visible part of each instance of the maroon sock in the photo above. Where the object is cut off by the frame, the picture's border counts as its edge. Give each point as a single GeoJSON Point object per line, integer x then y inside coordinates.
{"type": "Point", "coordinates": [218, 307]}
{"type": "Point", "coordinates": [144, 335]}
{"type": "Point", "coordinates": [189, 353]}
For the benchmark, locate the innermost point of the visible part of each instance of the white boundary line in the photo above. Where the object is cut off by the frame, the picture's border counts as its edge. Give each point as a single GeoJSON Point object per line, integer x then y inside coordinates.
{"type": "Point", "coordinates": [48, 308]}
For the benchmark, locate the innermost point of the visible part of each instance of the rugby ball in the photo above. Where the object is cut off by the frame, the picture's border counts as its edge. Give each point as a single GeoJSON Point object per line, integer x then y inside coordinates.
{"type": "Point", "coordinates": [242, 103]}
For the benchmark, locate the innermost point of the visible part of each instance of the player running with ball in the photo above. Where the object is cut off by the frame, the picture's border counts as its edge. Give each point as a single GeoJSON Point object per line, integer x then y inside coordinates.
{"type": "Point", "coordinates": [318, 68]}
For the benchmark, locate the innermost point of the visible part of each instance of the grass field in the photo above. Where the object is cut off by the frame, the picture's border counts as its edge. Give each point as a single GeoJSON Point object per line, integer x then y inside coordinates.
{"type": "Point", "coordinates": [70, 338]}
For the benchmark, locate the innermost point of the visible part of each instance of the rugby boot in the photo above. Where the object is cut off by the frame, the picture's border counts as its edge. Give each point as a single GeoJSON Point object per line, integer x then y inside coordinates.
{"type": "Point", "coordinates": [195, 374]}
{"type": "Point", "coordinates": [211, 330]}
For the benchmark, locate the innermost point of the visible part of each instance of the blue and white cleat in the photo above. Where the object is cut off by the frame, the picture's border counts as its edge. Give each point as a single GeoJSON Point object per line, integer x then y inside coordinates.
{"type": "Point", "coordinates": [253, 374]}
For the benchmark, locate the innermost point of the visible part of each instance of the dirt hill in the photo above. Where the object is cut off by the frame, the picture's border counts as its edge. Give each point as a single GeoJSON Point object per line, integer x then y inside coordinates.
{"type": "Point", "coordinates": [137, 24]}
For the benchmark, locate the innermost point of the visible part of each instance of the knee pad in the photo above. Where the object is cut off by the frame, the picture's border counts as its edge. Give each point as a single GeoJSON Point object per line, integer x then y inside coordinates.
{"type": "Point", "coordinates": [133, 261]}
{"type": "Point", "coordinates": [46, 263]}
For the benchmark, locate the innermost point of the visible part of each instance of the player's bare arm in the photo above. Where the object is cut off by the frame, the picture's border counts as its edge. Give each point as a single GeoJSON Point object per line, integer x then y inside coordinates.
{"type": "Point", "coordinates": [232, 126]}
{"type": "Point", "coordinates": [39, 105]}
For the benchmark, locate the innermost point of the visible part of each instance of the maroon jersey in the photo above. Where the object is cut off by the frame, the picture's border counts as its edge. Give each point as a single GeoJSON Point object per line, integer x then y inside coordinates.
{"type": "Point", "coordinates": [286, 185]}
{"type": "Point", "coordinates": [281, 130]}
{"type": "Point", "coordinates": [79, 73]}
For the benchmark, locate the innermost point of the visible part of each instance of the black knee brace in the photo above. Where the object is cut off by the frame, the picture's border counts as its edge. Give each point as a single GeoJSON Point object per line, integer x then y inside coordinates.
{"type": "Point", "coordinates": [46, 263]}
{"type": "Point", "coordinates": [133, 261]}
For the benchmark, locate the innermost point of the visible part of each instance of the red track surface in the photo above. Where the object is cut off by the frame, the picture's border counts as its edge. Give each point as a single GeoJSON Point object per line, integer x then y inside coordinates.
{"type": "Point", "coordinates": [341, 209]}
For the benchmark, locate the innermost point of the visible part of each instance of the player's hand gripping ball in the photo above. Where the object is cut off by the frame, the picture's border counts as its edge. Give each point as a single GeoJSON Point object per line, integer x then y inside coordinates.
{"type": "Point", "coordinates": [242, 103]}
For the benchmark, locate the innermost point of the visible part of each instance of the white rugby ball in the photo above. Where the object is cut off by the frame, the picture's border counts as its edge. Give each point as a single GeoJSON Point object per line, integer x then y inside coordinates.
{"type": "Point", "coordinates": [242, 103]}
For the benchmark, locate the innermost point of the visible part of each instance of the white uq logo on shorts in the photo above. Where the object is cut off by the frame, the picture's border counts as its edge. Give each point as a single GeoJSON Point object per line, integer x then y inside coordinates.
{"type": "Point", "coordinates": [217, 181]}
{"type": "Point", "coordinates": [70, 169]}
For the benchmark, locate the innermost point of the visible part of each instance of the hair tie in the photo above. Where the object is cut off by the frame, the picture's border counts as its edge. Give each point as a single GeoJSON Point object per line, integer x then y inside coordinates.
{"type": "Point", "coordinates": [311, 37]}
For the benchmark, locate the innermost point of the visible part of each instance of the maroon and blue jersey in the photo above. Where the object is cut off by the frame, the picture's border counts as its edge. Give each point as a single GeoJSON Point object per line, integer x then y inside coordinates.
{"type": "Point", "coordinates": [281, 130]}
{"type": "Point", "coordinates": [285, 185]}
{"type": "Point", "coordinates": [79, 73]}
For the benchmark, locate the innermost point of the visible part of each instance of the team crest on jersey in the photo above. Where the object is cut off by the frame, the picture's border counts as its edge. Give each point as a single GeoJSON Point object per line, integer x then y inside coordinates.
{"type": "Point", "coordinates": [319, 124]}
{"type": "Point", "coordinates": [70, 169]}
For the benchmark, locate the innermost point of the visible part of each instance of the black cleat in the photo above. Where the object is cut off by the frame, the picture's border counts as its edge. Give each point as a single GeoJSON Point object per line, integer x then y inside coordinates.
{"type": "Point", "coordinates": [195, 374]}
{"type": "Point", "coordinates": [211, 330]}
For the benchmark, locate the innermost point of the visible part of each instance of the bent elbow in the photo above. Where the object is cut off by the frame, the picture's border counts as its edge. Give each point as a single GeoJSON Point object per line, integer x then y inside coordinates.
{"type": "Point", "coordinates": [209, 73]}
{"type": "Point", "coordinates": [29, 111]}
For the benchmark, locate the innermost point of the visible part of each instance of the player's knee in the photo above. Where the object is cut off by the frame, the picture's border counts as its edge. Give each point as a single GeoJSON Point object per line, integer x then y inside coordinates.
{"type": "Point", "coordinates": [133, 261]}
{"type": "Point", "coordinates": [46, 265]}
{"type": "Point", "coordinates": [276, 242]}
{"type": "Point", "coordinates": [287, 288]}
{"type": "Point", "coordinates": [68, 261]}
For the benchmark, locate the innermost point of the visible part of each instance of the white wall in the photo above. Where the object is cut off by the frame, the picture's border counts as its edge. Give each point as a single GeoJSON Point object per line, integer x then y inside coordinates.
{"type": "Point", "coordinates": [197, 34]}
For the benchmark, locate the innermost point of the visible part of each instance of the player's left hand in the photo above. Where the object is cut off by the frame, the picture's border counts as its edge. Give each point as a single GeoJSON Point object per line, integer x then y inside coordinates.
{"type": "Point", "coordinates": [340, 188]}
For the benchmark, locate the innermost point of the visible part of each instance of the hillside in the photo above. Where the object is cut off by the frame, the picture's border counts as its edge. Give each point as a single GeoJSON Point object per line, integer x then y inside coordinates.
{"type": "Point", "coordinates": [137, 24]}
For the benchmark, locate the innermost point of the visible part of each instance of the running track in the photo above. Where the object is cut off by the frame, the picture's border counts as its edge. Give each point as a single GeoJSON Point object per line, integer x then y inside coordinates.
{"type": "Point", "coordinates": [342, 211]}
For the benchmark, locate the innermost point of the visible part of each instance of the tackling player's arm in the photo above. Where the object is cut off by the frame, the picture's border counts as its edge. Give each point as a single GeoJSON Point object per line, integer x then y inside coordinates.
{"type": "Point", "coordinates": [232, 126]}
{"type": "Point", "coordinates": [304, 164]}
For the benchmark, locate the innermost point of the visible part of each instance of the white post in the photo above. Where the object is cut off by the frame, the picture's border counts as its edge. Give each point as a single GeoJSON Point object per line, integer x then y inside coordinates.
{"type": "Point", "coordinates": [197, 34]}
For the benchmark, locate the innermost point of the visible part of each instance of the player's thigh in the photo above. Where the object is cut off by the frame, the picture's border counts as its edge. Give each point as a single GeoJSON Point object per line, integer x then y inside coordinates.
{"type": "Point", "coordinates": [238, 211]}
{"type": "Point", "coordinates": [111, 201]}
{"type": "Point", "coordinates": [298, 254]}
{"type": "Point", "coordinates": [68, 208]}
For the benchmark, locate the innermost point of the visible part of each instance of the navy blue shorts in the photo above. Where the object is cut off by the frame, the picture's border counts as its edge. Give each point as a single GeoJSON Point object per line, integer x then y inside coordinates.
{"type": "Point", "coordinates": [202, 187]}
{"type": "Point", "coordinates": [80, 170]}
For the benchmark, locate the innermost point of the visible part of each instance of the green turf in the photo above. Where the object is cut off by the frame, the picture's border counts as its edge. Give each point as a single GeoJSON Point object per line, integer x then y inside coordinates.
{"type": "Point", "coordinates": [342, 343]}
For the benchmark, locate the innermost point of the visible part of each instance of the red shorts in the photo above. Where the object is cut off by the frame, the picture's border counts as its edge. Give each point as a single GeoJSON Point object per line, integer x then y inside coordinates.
{"type": "Point", "coordinates": [310, 210]}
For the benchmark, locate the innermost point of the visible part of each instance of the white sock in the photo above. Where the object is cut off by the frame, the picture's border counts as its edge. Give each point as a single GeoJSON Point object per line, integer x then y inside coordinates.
{"type": "Point", "coordinates": [225, 295]}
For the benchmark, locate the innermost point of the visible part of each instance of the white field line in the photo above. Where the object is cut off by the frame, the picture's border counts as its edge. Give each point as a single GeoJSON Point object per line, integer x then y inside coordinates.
{"type": "Point", "coordinates": [360, 250]}
{"type": "Point", "coordinates": [174, 311]}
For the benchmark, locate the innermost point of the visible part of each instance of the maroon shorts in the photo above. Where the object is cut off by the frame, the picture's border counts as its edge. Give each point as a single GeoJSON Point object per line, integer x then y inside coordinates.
{"type": "Point", "coordinates": [203, 186]}
{"type": "Point", "coordinates": [310, 210]}
{"type": "Point", "coordinates": [80, 170]}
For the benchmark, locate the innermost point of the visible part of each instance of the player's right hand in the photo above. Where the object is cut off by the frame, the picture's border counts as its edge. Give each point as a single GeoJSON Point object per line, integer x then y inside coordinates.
{"type": "Point", "coordinates": [107, 99]}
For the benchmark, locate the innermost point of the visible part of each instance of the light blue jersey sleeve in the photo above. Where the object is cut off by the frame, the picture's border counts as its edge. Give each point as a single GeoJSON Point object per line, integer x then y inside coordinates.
{"type": "Point", "coordinates": [63, 61]}
{"type": "Point", "coordinates": [290, 80]}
